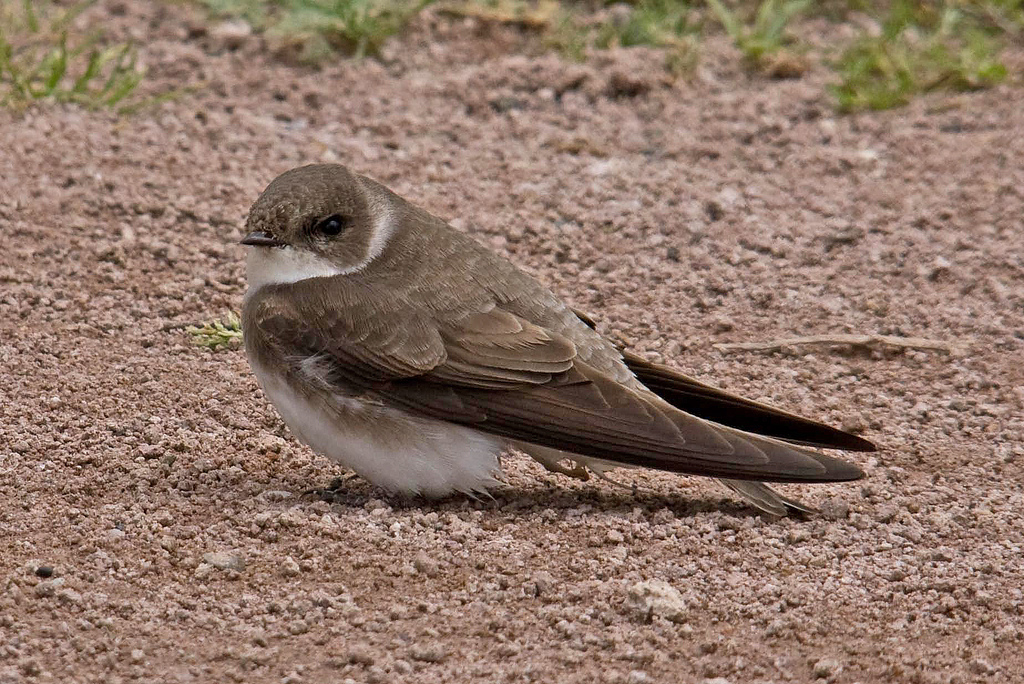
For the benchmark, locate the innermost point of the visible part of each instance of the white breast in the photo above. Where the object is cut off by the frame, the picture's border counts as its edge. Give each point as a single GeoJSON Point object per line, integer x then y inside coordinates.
{"type": "Point", "coordinates": [390, 448]}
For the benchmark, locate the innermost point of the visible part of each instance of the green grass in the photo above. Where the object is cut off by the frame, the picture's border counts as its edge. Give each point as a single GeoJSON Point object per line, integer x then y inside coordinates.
{"type": "Point", "coordinates": [41, 60]}
{"type": "Point", "coordinates": [764, 40]}
{"type": "Point", "coordinates": [919, 49]}
{"type": "Point", "coordinates": [530, 14]}
{"type": "Point", "coordinates": [670, 24]}
{"type": "Point", "coordinates": [223, 333]}
{"type": "Point", "coordinates": [313, 30]}
{"type": "Point", "coordinates": [650, 22]}
{"type": "Point", "coordinates": [1002, 16]}
{"type": "Point", "coordinates": [921, 45]}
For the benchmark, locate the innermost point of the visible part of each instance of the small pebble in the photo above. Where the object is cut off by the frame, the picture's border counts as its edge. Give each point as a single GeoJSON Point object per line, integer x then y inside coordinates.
{"type": "Point", "coordinates": [223, 560]}
{"type": "Point", "coordinates": [425, 565]}
{"type": "Point", "coordinates": [827, 668]}
{"type": "Point", "coordinates": [231, 34]}
{"type": "Point", "coordinates": [658, 598]}
{"type": "Point", "coordinates": [290, 568]}
{"type": "Point", "coordinates": [428, 653]}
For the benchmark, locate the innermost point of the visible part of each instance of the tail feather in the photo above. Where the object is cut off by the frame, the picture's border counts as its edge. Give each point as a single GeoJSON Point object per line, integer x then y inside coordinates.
{"type": "Point", "coordinates": [718, 406]}
{"type": "Point", "coordinates": [764, 498]}
{"type": "Point", "coordinates": [757, 494]}
{"type": "Point", "coordinates": [724, 408]}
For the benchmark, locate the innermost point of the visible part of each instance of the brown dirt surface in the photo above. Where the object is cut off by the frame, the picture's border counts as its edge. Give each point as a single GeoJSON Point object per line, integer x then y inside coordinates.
{"type": "Point", "coordinates": [153, 518]}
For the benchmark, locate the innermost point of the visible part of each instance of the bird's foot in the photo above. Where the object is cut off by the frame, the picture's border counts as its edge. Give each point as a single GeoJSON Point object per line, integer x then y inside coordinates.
{"type": "Point", "coordinates": [577, 470]}
{"type": "Point", "coordinates": [331, 491]}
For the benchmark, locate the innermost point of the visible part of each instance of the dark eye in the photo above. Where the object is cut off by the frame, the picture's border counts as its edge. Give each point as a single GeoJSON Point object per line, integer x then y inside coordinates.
{"type": "Point", "coordinates": [330, 226]}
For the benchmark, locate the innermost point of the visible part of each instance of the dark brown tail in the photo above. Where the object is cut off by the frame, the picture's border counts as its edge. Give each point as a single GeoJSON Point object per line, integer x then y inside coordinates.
{"type": "Point", "coordinates": [719, 406]}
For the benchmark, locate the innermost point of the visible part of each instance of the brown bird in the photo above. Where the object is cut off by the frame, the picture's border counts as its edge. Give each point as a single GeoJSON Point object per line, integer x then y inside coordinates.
{"type": "Point", "coordinates": [406, 351]}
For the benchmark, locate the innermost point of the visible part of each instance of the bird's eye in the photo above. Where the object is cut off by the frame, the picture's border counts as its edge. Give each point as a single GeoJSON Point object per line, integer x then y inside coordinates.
{"type": "Point", "coordinates": [331, 226]}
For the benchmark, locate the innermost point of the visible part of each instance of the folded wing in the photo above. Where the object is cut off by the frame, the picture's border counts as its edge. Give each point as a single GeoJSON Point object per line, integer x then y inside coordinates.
{"type": "Point", "coordinates": [725, 408]}
{"type": "Point", "coordinates": [506, 376]}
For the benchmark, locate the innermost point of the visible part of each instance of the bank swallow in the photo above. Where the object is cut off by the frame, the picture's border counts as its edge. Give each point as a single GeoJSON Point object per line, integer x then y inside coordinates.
{"type": "Point", "coordinates": [405, 351]}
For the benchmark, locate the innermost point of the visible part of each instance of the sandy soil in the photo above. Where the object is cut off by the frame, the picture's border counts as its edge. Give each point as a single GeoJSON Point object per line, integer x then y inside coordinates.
{"type": "Point", "coordinates": [152, 515]}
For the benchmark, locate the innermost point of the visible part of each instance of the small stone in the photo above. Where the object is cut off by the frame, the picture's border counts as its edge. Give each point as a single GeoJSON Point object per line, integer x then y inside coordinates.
{"type": "Point", "coordinates": [854, 424]}
{"type": "Point", "coordinates": [940, 267]}
{"type": "Point", "coordinates": [886, 514]}
{"type": "Point", "coordinates": [427, 653]}
{"type": "Point", "coordinates": [290, 568]}
{"type": "Point", "coordinates": [827, 668]}
{"type": "Point", "coordinates": [627, 84]}
{"type": "Point", "coordinates": [403, 667]}
{"type": "Point", "coordinates": [658, 598]}
{"type": "Point", "coordinates": [138, 655]}
{"type": "Point", "coordinates": [360, 656]}
{"type": "Point", "coordinates": [44, 571]}
{"type": "Point", "coordinates": [638, 677]}
{"type": "Point", "coordinates": [115, 534]}
{"type": "Point", "coordinates": [223, 560]}
{"type": "Point", "coordinates": [30, 668]}
{"type": "Point", "coordinates": [231, 34]}
{"type": "Point", "coordinates": [723, 324]}
{"type": "Point", "coordinates": [896, 575]}
{"type": "Point", "coordinates": [713, 210]}
{"type": "Point", "coordinates": [425, 565]}
{"type": "Point", "coordinates": [614, 537]}
{"type": "Point", "coordinates": [204, 571]}
{"type": "Point", "coordinates": [542, 582]}
{"type": "Point", "coordinates": [982, 667]}
{"type": "Point", "coordinates": [834, 509]}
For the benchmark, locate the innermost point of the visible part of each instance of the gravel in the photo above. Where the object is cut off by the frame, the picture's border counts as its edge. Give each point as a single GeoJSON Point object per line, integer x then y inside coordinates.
{"type": "Point", "coordinates": [166, 494]}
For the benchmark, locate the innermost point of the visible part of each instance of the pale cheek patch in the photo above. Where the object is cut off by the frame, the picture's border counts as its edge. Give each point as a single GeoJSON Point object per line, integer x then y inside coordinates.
{"type": "Point", "coordinates": [383, 228]}
{"type": "Point", "coordinates": [278, 265]}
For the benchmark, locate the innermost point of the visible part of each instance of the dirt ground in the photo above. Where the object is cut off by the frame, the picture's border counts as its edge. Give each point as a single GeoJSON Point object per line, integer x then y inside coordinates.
{"type": "Point", "coordinates": [153, 520]}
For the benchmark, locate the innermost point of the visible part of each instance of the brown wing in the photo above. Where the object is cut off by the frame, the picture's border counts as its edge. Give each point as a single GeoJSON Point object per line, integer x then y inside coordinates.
{"type": "Point", "coordinates": [508, 377]}
{"type": "Point", "coordinates": [719, 406]}
{"type": "Point", "coordinates": [369, 341]}
{"type": "Point", "coordinates": [724, 408]}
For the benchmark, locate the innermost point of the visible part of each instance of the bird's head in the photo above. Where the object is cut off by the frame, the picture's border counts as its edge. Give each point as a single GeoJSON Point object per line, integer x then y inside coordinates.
{"type": "Point", "coordinates": [316, 221]}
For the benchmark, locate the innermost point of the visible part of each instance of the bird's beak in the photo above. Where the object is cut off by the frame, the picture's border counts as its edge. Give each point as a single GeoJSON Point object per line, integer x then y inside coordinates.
{"type": "Point", "coordinates": [258, 238]}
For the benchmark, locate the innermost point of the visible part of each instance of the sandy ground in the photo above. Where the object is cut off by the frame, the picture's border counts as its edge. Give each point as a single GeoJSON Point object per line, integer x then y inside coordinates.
{"type": "Point", "coordinates": [152, 515]}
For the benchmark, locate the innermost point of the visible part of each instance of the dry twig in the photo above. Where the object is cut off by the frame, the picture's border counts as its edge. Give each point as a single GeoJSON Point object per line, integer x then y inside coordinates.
{"type": "Point", "coordinates": [868, 341]}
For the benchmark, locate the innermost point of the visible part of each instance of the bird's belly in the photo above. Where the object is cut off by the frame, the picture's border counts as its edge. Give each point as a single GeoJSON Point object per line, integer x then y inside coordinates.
{"type": "Point", "coordinates": [392, 449]}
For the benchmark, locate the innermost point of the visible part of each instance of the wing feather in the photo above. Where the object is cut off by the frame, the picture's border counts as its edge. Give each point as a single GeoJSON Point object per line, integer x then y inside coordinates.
{"type": "Point", "coordinates": [718, 406]}
{"type": "Point", "coordinates": [507, 376]}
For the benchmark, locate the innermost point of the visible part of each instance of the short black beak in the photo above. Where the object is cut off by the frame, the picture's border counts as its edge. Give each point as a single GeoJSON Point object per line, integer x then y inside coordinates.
{"type": "Point", "coordinates": [258, 238]}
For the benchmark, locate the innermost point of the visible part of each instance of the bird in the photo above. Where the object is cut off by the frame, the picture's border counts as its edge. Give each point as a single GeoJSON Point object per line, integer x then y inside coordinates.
{"type": "Point", "coordinates": [409, 353]}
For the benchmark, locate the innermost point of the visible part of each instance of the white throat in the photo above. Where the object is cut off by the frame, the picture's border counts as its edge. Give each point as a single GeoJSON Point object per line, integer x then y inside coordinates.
{"type": "Point", "coordinates": [279, 265]}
